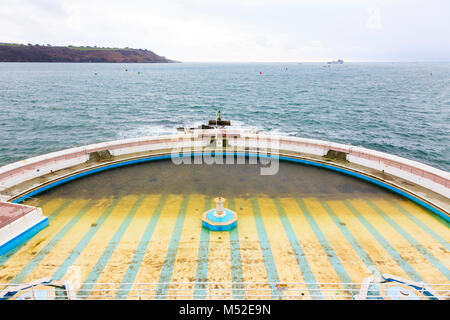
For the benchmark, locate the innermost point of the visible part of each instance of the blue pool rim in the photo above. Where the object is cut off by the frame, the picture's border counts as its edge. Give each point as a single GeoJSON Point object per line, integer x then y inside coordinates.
{"type": "Point", "coordinates": [382, 184]}
{"type": "Point", "coordinates": [229, 215]}
{"type": "Point", "coordinates": [211, 227]}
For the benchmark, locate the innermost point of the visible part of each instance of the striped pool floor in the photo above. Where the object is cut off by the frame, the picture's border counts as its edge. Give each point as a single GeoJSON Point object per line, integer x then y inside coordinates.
{"type": "Point", "coordinates": [159, 238]}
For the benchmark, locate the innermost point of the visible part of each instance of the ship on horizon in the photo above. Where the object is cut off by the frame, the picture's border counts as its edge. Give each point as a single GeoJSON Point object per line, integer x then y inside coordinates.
{"type": "Point", "coordinates": [338, 61]}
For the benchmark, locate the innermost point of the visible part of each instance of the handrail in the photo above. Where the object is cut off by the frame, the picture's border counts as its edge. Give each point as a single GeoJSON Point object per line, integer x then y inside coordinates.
{"type": "Point", "coordinates": [235, 290]}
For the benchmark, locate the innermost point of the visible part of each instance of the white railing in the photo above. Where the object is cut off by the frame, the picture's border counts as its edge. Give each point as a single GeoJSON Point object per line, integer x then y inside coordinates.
{"type": "Point", "coordinates": [221, 291]}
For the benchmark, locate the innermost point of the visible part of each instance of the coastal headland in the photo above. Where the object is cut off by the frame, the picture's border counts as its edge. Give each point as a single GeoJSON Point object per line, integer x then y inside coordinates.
{"type": "Point", "coordinates": [11, 52]}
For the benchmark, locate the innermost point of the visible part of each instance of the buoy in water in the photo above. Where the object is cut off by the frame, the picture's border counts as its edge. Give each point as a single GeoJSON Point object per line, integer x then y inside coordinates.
{"type": "Point", "coordinates": [260, 72]}
{"type": "Point", "coordinates": [139, 72]}
{"type": "Point", "coordinates": [53, 108]}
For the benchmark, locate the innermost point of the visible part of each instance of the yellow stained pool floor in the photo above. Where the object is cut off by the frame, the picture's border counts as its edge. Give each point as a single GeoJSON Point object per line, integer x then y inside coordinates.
{"type": "Point", "coordinates": [307, 225]}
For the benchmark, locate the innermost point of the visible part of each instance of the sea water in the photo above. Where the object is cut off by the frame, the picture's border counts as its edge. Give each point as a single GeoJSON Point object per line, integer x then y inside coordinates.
{"type": "Point", "coordinates": [398, 108]}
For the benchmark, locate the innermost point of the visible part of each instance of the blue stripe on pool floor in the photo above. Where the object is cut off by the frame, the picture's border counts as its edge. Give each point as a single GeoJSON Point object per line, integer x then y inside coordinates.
{"type": "Point", "coordinates": [329, 252]}
{"type": "Point", "coordinates": [269, 263]}
{"type": "Point", "coordinates": [97, 270]}
{"type": "Point", "coordinates": [139, 254]}
{"type": "Point", "coordinates": [422, 225]}
{"type": "Point", "coordinates": [29, 267]}
{"type": "Point", "coordinates": [302, 263]}
{"type": "Point", "coordinates": [61, 271]}
{"type": "Point", "coordinates": [201, 275]}
{"type": "Point", "coordinates": [412, 241]}
{"type": "Point", "coordinates": [236, 261]}
{"type": "Point", "coordinates": [385, 244]}
{"type": "Point", "coordinates": [167, 269]}
{"type": "Point", "coordinates": [363, 255]}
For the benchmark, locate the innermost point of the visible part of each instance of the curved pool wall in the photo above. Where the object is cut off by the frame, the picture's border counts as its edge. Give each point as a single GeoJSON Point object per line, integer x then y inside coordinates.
{"type": "Point", "coordinates": [420, 174]}
{"type": "Point", "coordinates": [283, 158]}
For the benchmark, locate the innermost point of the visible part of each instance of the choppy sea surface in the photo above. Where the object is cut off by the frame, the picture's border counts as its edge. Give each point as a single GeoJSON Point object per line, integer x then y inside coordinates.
{"type": "Point", "coordinates": [399, 108]}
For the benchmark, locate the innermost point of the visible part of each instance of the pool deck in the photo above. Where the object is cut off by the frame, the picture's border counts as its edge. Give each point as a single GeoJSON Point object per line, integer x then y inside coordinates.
{"type": "Point", "coordinates": [10, 212]}
{"type": "Point", "coordinates": [18, 223]}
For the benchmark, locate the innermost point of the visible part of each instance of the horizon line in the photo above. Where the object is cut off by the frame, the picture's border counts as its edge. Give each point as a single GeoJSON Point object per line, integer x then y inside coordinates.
{"type": "Point", "coordinates": [313, 61]}
{"type": "Point", "coordinates": [290, 62]}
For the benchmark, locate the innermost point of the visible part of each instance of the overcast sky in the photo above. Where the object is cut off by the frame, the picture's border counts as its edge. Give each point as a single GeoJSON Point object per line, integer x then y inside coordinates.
{"type": "Point", "coordinates": [240, 30]}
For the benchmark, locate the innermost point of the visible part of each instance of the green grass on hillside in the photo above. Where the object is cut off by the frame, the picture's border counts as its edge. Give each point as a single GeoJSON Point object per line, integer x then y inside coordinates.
{"type": "Point", "coordinates": [96, 48]}
{"type": "Point", "coordinates": [11, 44]}
{"type": "Point", "coordinates": [69, 47]}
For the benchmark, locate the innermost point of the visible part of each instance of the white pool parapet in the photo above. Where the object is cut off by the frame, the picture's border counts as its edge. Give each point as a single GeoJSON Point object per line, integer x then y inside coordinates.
{"type": "Point", "coordinates": [358, 159]}
{"type": "Point", "coordinates": [18, 223]}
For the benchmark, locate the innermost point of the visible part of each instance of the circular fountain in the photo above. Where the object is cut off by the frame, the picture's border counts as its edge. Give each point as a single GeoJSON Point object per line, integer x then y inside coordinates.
{"type": "Point", "coordinates": [219, 218]}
